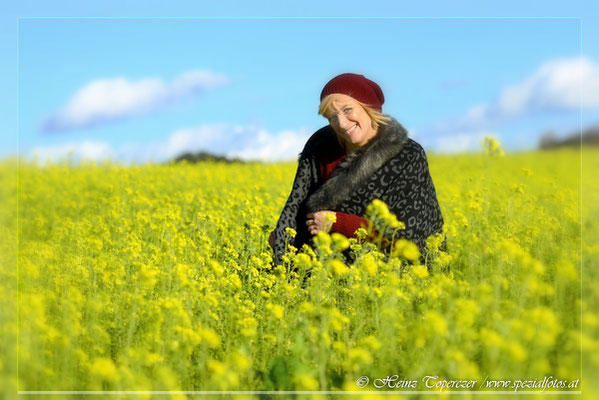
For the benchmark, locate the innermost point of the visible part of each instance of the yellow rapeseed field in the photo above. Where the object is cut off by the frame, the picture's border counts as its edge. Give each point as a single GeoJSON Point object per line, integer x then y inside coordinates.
{"type": "Point", "coordinates": [159, 278]}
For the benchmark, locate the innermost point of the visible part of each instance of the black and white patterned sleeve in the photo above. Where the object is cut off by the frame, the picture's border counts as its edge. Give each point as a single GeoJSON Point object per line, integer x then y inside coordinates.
{"type": "Point", "coordinates": [292, 216]}
{"type": "Point", "coordinates": [411, 196]}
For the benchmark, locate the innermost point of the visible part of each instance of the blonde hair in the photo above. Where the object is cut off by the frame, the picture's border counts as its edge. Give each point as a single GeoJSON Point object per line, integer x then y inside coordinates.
{"type": "Point", "coordinates": [377, 117]}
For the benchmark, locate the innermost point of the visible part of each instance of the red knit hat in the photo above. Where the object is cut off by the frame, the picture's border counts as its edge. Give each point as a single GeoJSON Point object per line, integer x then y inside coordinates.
{"type": "Point", "coordinates": [357, 86]}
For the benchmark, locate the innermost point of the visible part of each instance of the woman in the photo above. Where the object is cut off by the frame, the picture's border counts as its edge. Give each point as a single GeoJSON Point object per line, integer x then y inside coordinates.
{"type": "Point", "coordinates": [360, 156]}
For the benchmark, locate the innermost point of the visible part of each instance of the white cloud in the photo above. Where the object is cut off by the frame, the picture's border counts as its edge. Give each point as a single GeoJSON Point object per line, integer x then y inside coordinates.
{"type": "Point", "coordinates": [559, 85]}
{"type": "Point", "coordinates": [235, 141]}
{"type": "Point", "coordinates": [285, 145]}
{"type": "Point", "coordinates": [86, 150]}
{"type": "Point", "coordinates": [248, 143]}
{"type": "Point", "coordinates": [194, 81]}
{"type": "Point", "coordinates": [108, 100]}
{"type": "Point", "coordinates": [195, 139]}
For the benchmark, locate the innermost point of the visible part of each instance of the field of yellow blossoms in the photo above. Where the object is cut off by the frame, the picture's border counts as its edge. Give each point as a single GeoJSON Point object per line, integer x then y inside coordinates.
{"type": "Point", "coordinates": [159, 278]}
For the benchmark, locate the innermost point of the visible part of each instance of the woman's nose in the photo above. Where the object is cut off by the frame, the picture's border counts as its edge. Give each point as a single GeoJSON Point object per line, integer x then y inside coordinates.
{"type": "Point", "coordinates": [342, 121]}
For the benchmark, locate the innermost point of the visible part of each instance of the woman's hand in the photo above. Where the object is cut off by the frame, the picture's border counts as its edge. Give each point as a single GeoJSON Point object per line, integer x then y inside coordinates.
{"type": "Point", "coordinates": [320, 221]}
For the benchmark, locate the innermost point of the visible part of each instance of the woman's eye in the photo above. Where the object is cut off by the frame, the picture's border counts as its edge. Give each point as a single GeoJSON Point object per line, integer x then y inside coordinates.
{"type": "Point", "coordinates": [347, 110]}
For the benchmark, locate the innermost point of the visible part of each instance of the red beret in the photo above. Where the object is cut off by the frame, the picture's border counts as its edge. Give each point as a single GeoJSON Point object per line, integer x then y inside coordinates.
{"type": "Point", "coordinates": [356, 86]}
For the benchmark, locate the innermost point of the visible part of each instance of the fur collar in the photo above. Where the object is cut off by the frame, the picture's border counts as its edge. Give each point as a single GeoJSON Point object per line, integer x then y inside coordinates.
{"type": "Point", "coordinates": [358, 166]}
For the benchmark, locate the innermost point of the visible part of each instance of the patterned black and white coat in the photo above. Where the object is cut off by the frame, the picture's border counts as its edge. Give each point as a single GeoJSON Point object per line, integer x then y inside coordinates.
{"type": "Point", "coordinates": [390, 167]}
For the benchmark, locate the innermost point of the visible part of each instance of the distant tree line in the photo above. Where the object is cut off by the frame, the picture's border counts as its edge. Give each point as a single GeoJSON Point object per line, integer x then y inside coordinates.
{"type": "Point", "coordinates": [589, 137]}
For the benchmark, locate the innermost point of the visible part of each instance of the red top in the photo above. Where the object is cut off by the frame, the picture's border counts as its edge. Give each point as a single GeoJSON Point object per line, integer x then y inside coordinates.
{"type": "Point", "coordinates": [346, 224]}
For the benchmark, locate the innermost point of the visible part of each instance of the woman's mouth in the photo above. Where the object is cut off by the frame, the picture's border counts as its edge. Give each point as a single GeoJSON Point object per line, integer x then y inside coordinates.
{"type": "Point", "coordinates": [349, 131]}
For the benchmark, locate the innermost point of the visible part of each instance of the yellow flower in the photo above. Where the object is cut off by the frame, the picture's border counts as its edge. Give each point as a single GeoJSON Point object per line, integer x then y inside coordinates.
{"type": "Point", "coordinates": [341, 242]}
{"type": "Point", "coordinates": [235, 281]}
{"type": "Point", "coordinates": [406, 249]}
{"type": "Point", "coordinates": [216, 268]}
{"type": "Point", "coordinates": [105, 369]}
{"type": "Point", "coordinates": [276, 310]}
{"type": "Point", "coordinates": [516, 351]}
{"type": "Point", "coordinates": [369, 264]}
{"type": "Point", "coordinates": [302, 260]}
{"type": "Point", "coordinates": [371, 342]}
{"type": "Point", "coordinates": [211, 338]}
{"type": "Point", "coordinates": [303, 381]}
{"type": "Point", "coordinates": [153, 358]}
{"type": "Point", "coordinates": [359, 356]}
{"type": "Point", "coordinates": [339, 347]}
{"type": "Point", "coordinates": [436, 322]}
{"type": "Point", "coordinates": [566, 270]}
{"type": "Point", "coordinates": [291, 232]}
{"type": "Point", "coordinates": [323, 240]}
{"type": "Point", "coordinates": [241, 361]}
{"type": "Point", "coordinates": [337, 267]}
{"type": "Point", "coordinates": [361, 233]}
{"type": "Point", "coordinates": [216, 367]}
{"type": "Point", "coordinates": [330, 217]}
{"type": "Point", "coordinates": [394, 223]}
{"type": "Point", "coordinates": [248, 326]}
{"type": "Point", "coordinates": [492, 146]}
{"type": "Point", "coordinates": [466, 312]}
{"type": "Point", "coordinates": [211, 300]}
{"type": "Point", "coordinates": [306, 307]}
{"type": "Point", "coordinates": [420, 271]}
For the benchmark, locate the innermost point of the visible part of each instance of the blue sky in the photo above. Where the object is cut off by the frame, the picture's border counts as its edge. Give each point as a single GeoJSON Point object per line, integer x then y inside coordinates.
{"type": "Point", "coordinates": [246, 83]}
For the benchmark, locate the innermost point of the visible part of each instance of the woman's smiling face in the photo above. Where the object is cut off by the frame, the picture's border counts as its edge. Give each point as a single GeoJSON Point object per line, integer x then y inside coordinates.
{"type": "Point", "coordinates": [350, 121]}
